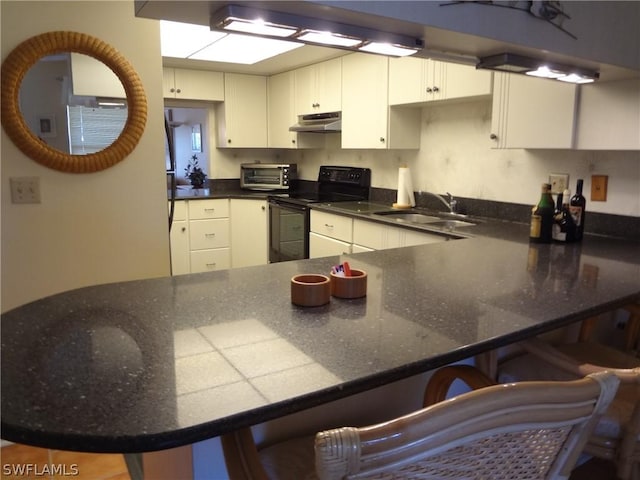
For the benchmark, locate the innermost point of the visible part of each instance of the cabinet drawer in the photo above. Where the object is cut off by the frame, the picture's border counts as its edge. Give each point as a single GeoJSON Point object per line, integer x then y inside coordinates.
{"type": "Point", "coordinates": [411, 238]}
{"type": "Point", "coordinates": [321, 246]}
{"type": "Point", "coordinates": [210, 208]}
{"type": "Point", "coordinates": [210, 260]}
{"type": "Point", "coordinates": [204, 234]}
{"type": "Point", "coordinates": [375, 236]}
{"type": "Point", "coordinates": [334, 226]}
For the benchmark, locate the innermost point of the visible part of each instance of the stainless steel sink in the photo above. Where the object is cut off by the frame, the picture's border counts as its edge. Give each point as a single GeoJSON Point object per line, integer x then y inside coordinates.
{"type": "Point", "coordinates": [446, 220]}
{"type": "Point", "coordinates": [410, 217]}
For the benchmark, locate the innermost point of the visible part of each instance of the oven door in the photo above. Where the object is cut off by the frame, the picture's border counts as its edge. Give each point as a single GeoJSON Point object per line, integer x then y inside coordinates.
{"type": "Point", "coordinates": [288, 231]}
{"type": "Point", "coordinates": [262, 178]}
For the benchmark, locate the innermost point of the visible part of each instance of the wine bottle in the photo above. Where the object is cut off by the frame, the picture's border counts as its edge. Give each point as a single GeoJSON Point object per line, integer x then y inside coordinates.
{"type": "Point", "coordinates": [577, 208]}
{"type": "Point", "coordinates": [564, 228]}
{"type": "Point", "coordinates": [542, 217]}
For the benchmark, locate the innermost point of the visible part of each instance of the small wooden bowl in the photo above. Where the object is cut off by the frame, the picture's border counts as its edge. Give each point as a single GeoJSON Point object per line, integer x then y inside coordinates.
{"type": "Point", "coordinates": [310, 290]}
{"type": "Point", "coordinates": [354, 286]}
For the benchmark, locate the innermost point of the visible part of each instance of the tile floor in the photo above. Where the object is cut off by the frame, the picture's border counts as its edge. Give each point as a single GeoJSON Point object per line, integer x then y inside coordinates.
{"type": "Point", "coordinates": [83, 466]}
{"type": "Point", "coordinates": [91, 466]}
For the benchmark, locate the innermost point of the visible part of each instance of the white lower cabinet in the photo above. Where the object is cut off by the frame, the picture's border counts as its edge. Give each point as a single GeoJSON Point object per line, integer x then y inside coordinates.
{"type": "Point", "coordinates": [249, 232]}
{"type": "Point", "coordinates": [179, 239]}
{"type": "Point", "coordinates": [200, 236]}
{"type": "Point", "coordinates": [330, 234]}
{"type": "Point", "coordinates": [374, 236]}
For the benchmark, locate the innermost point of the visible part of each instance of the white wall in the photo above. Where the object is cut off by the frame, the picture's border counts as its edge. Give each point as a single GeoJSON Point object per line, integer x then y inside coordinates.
{"type": "Point", "coordinates": [90, 228]}
{"type": "Point", "coordinates": [456, 156]}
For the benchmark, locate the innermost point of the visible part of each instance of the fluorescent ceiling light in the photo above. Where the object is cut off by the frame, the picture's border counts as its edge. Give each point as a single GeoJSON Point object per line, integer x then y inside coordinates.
{"type": "Point", "coordinates": [260, 27]}
{"type": "Point", "coordinates": [387, 49]}
{"type": "Point", "coordinates": [244, 49]}
{"type": "Point", "coordinates": [314, 30]}
{"type": "Point", "coordinates": [328, 38]}
{"type": "Point", "coordinates": [183, 39]}
{"type": "Point", "coordinates": [512, 63]}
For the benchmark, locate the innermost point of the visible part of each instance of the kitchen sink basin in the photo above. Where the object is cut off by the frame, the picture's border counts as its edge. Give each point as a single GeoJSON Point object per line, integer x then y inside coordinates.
{"type": "Point", "coordinates": [446, 220]}
{"type": "Point", "coordinates": [411, 217]}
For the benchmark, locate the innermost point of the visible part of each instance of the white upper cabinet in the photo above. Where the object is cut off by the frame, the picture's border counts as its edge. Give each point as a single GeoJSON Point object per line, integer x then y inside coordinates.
{"type": "Point", "coordinates": [609, 116]}
{"type": "Point", "coordinates": [242, 117]}
{"type": "Point", "coordinates": [318, 87]}
{"type": "Point", "coordinates": [282, 114]}
{"type": "Point", "coordinates": [367, 120]}
{"type": "Point", "coordinates": [418, 80]}
{"type": "Point", "coordinates": [92, 78]}
{"type": "Point", "coordinates": [531, 112]}
{"type": "Point", "coordinates": [193, 84]}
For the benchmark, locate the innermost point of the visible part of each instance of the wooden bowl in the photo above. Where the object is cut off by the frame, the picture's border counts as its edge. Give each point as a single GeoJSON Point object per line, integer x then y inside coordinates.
{"type": "Point", "coordinates": [354, 286]}
{"type": "Point", "coordinates": [310, 290]}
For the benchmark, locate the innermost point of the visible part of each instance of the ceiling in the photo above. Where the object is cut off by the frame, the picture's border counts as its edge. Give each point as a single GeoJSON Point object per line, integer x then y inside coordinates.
{"type": "Point", "coordinates": [441, 44]}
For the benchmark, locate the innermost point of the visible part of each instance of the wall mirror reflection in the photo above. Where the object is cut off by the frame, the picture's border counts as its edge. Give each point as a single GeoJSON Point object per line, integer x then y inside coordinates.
{"type": "Point", "coordinates": [73, 103]}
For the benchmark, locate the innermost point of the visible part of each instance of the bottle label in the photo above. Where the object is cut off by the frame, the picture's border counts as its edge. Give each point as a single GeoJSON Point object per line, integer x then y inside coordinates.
{"type": "Point", "coordinates": [558, 234]}
{"type": "Point", "coordinates": [576, 213]}
{"type": "Point", "coordinates": [536, 226]}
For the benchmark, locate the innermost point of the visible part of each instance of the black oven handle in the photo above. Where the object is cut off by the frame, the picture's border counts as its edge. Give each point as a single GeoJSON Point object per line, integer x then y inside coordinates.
{"type": "Point", "coordinates": [288, 205]}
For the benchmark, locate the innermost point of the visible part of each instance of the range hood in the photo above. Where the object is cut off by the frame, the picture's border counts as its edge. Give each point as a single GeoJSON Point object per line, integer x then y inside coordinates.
{"type": "Point", "coordinates": [318, 123]}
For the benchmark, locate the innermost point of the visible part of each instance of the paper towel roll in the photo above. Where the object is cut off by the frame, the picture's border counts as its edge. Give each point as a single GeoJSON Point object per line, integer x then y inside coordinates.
{"type": "Point", "coordinates": [405, 197]}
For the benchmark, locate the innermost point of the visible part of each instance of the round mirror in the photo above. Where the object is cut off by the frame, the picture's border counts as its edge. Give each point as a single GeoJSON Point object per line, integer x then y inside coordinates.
{"type": "Point", "coordinates": [14, 69]}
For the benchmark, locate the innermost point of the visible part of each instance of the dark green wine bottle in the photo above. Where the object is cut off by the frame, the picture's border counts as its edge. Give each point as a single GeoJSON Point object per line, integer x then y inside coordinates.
{"type": "Point", "coordinates": [577, 208]}
{"type": "Point", "coordinates": [542, 217]}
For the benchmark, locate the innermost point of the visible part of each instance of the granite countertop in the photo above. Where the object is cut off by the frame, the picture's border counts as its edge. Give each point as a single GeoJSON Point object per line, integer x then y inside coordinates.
{"type": "Point", "coordinates": [153, 364]}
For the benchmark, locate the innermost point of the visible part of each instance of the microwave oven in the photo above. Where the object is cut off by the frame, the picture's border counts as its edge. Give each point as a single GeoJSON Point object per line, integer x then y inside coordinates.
{"type": "Point", "coordinates": [268, 176]}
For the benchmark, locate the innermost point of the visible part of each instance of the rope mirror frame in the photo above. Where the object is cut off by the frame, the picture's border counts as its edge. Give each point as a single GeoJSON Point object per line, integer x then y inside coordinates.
{"type": "Point", "coordinates": [25, 55]}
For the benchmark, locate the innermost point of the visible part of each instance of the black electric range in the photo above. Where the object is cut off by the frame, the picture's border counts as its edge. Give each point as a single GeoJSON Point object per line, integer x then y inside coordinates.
{"type": "Point", "coordinates": [289, 215]}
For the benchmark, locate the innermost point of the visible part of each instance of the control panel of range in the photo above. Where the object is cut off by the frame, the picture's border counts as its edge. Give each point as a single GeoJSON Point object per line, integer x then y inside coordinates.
{"type": "Point", "coordinates": [346, 175]}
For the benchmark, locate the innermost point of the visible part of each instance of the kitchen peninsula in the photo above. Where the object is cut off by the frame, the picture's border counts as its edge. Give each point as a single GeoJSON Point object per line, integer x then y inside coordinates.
{"type": "Point", "coordinates": [153, 364]}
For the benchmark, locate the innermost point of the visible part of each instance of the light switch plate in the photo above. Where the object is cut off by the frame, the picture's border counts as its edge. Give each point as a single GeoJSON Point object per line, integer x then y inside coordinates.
{"type": "Point", "coordinates": [25, 189]}
{"type": "Point", "coordinates": [599, 188]}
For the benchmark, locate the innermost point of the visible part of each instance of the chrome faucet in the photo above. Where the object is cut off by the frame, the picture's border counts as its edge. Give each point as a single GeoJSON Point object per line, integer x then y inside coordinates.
{"type": "Point", "coordinates": [451, 204]}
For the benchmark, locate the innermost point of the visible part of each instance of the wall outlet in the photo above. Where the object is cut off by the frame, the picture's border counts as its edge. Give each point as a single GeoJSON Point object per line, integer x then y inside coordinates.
{"type": "Point", "coordinates": [599, 188]}
{"type": "Point", "coordinates": [559, 182]}
{"type": "Point", "coordinates": [25, 189]}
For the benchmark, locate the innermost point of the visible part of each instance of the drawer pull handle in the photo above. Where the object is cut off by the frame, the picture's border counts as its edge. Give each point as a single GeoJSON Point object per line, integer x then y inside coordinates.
{"type": "Point", "coordinates": [209, 209]}
{"type": "Point", "coordinates": [209, 235]}
{"type": "Point", "coordinates": [328, 226]}
{"type": "Point", "coordinates": [209, 265]}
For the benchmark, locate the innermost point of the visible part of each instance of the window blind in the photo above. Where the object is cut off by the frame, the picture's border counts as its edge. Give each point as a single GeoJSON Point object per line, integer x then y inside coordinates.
{"type": "Point", "coordinates": [92, 129]}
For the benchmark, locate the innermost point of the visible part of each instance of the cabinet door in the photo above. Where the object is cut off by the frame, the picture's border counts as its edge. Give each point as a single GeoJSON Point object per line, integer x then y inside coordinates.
{"type": "Point", "coordinates": [334, 226]}
{"type": "Point", "coordinates": [407, 80]}
{"type": "Point", "coordinates": [179, 239]}
{"type": "Point", "coordinates": [242, 118]}
{"type": "Point", "coordinates": [281, 110]}
{"type": "Point", "coordinates": [210, 260]}
{"type": "Point", "coordinates": [375, 235]}
{"type": "Point", "coordinates": [609, 116]}
{"type": "Point", "coordinates": [322, 246]}
{"type": "Point", "coordinates": [318, 87]}
{"type": "Point", "coordinates": [249, 232]}
{"type": "Point", "coordinates": [412, 237]}
{"type": "Point", "coordinates": [193, 84]}
{"type": "Point", "coordinates": [364, 104]}
{"type": "Point", "coordinates": [531, 112]}
{"type": "Point", "coordinates": [207, 234]}
{"type": "Point", "coordinates": [464, 81]}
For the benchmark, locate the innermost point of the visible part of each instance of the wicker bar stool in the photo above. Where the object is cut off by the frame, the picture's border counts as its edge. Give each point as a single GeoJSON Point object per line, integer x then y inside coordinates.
{"type": "Point", "coordinates": [532, 430]}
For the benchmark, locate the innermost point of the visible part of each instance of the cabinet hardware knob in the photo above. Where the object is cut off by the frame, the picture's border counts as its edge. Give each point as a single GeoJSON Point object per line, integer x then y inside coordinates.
{"type": "Point", "coordinates": [493, 136]}
{"type": "Point", "coordinates": [178, 90]}
{"type": "Point", "coordinates": [293, 141]}
{"type": "Point", "coordinates": [436, 89]}
{"type": "Point", "coordinates": [184, 229]}
{"type": "Point", "coordinates": [263, 208]}
{"type": "Point", "coordinates": [229, 140]}
{"type": "Point", "coordinates": [382, 139]}
{"type": "Point", "coordinates": [429, 90]}
{"type": "Point", "coordinates": [172, 90]}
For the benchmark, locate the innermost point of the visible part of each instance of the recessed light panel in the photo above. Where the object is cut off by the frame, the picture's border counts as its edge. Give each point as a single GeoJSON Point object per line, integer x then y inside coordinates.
{"type": "Point", "coordinates": [183, 39]}
{"type": "Point", "coordinates": [244, 49]}
{"type": "Point", "coordinates": [328, 38]}
{"type": "Point", "coordinates": [387, 49]}
{"type": "Point", "coordinates": [259, 27]}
